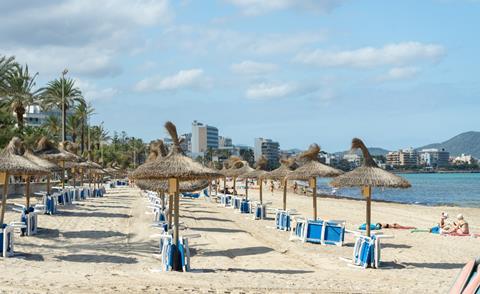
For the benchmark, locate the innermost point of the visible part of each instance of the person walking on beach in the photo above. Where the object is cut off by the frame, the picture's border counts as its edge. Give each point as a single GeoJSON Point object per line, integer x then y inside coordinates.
{"type": "Point", "coordinates": [272, 186]}
{"type": "Point", "coordinates": [295, 187]}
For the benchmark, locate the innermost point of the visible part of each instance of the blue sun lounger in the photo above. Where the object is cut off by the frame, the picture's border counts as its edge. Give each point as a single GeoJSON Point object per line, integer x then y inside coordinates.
{"type": "Point", "coordinates": [329, 232]}
{"type": "Point", "coordinates": [169, 251]}
{"type": "Point", "coordinates": [245, 206]}
{"type": "Point", "coordinates": [282, 220]}
{"type": "Point", "coordinates": [226, 200]}
{"type": "Point", "coordinates": [6, 240]}
{"type": "Point", "coordinates": [366, 251]}
{"type": "Point", "coordinates": [259, 210]}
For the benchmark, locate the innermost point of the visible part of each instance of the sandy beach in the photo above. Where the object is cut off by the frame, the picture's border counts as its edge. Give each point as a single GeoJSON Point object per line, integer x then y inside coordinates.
{"type": "Point", "coordinates": [107, 245]}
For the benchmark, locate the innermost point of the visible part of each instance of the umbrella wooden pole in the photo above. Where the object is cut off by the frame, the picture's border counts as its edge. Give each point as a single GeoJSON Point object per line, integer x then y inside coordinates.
{"type": "Point", "coordinates": [81, 178]}
{"type": "Point", "coordinates": [74, 180]}
{"type": "Point", "coordinates": [4, 196]}
{"type": "Point", "coordinates": [234, 185]}
{"type": "Point", "coordinates": [261, 191]}
{"type": "Point", "coordinates": [246, 188]}
{"type": "Point", "coordinates": [27, 191]}
{"type": "Point", "coordinates": [367, 193]}
{"type": "Point", "coordinates": [209, 187]}
{"type": "Point", "coordinates": [173, 186]}
{"type": "Point", "coordinates": [170, 210]}
{"type": "Point", "coordinates": [63, 175]}
{"type": "Point", "coordinates": [224, 185]}
{"type": "Point", "coordinates": [285, 194]}
{"type": "Point", "coordinates": [314, 196]}
{"type": "Point", "coordinates": [48, 185]}
{"type": "Point", "coordinates": [90, 179]}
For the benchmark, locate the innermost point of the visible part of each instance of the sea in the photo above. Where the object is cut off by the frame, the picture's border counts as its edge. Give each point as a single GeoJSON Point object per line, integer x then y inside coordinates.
{"type": "Point", "coordinates": [453, 189]}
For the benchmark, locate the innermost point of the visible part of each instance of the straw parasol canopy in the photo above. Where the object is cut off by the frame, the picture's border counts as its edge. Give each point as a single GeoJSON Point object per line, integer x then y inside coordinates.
{"type": "Point", "coordinates": [155, 185]}
{"type": "Point", "coordinates": [286, 166]}
{"type": "Point", "coordinates": [47, 150]}
{"type": "Point", "coordinates": [260, 169]}
{"type": "Point", "coordinates": [368, 175]}
{"type": "Point", "coordinates": [238, 168]}
{"type": "Point", "coordinates": [281, 173]}
{"type": "Point", "coordinates": [311, 170]}
{"type": "Point", "coordinates": [48, 165]}
{"type": "Point", "coordinates": [13, 163]}
{"type": "Point", "coordinates": [174, 165]}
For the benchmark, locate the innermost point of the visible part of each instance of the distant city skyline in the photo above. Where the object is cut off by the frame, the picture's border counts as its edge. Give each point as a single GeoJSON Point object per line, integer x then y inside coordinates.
{"type": "Point", "coordinates": [394, 73]}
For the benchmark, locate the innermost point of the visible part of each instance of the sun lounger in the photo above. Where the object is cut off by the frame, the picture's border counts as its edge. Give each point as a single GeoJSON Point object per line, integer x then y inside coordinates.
{"type": "Point", "coordinates": [282, 220]}
{"type": "Point", "coordinates": [236, 201]}
{"type": "Point", "coordinates": [190, 195]}
{"type": "Point", "coordinates": [169, 252]}
{"type": "Point", "coordinates": [245, 206]}
{"type": "Point", "coordinates": [6, 240]}
{"type": "Point", "coordinates": [468, 281]}
{"type": "Point", "coordinates": [329, 232]}
{"type": "Point", "coordinates": [226, 200]}
{"type": "Point", "coordinates": [366, 251]}
{"type": "Point", "coordinates": [28, 220]}
{"type": "Point", "coordinates": [259, 210]}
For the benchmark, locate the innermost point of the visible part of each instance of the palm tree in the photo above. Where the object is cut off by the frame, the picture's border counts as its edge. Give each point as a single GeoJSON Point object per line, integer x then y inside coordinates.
{"type": "Point", "coordinates": [7, 66]}
{"type": "Point", "coordinates": [62, 94]}
{"type": "Point", "coordinates": [52, 125]}
{"type": "Point", "coordinates": [19, 92]}
{"type": "Point", "coordinates": [83, 111]}
{"type": "Point", "coordinates": [73, 126]}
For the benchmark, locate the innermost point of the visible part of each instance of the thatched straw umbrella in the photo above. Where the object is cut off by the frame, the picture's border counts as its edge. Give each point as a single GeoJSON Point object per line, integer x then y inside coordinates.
{"type": "Point", "coordinates": [261, 165]}
{"type": "Point", "coordinates": [281, 174]}
{"type": "Point", "coordinates": [46, 150]}
{"type": "Point", "coordinates": [13, 163]}
{"type": "Point", "coordinates": [239, 168]}
{"type": "Point", "coordinates": [43, 163]}
{"type": "Point", "coordinates": [368, 175]}
{"type": "Point", "coordinates": [175, 167]}
{"type": "Point", "coordinates": [311, 170]}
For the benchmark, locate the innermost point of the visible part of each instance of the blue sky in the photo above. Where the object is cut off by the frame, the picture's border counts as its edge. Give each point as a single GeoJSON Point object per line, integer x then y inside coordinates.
{"type": "Point", "coordinates": [395, 73]}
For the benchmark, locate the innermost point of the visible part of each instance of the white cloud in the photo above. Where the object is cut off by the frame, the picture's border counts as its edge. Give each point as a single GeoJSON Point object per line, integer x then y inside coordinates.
{"type": "Point", "coordinates": [400, 73]}
{"type": "Point", "coordinates": [92, 92]}
{"type": "Point", "coordinates": [257, 7]}
{"type": "Point", "coordinates": [249, 67]}
{"type": "Point", "coordinates": [204, 40]}
{"type": "Point", "coordinates": [86, 36]}
{"type": "Point", "coordinates": [184, 79]}
{"type": "Point", "coordinates": [391, 54]}
{"type": "Point", "coordinates": [278, 90]}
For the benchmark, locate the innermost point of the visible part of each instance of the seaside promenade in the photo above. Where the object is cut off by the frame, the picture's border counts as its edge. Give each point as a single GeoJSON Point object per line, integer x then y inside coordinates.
{"type": "Point", "coordinates": [106, 245]}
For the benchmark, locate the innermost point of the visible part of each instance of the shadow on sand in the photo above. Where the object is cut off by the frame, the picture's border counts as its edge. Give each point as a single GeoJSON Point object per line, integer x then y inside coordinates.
{"type": "Point", "coordinates": [93, 214]}
{"type": "Point", "coordinates": [236, 252]}
{"type": "Point", "coordinates": [99, 258]}
{"type": "Point", "coordinates": [92, 234]}
{"type": "Point", "coordinates": [218, 230]}
{"type": "Point", "coordinates": [434, 265]}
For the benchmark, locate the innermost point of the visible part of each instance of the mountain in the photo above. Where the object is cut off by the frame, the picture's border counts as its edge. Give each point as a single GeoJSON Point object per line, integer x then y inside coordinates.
{"type": "Point", "coordinates": [373, 151]}
{"type": "Point", "coordinates": [467, 143]}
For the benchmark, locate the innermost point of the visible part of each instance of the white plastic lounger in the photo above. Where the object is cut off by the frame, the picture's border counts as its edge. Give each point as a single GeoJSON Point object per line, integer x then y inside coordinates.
{"type": "Point", "coordinates": [367, 251]}
{"type": "Point", "coordinates": [6, 236]}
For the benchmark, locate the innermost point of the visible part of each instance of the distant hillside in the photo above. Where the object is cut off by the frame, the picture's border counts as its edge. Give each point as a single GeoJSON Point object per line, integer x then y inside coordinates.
{"type": "Point", "coordinates": [373, 151]}
{"type": "Point", "coordinates": [467, 143]}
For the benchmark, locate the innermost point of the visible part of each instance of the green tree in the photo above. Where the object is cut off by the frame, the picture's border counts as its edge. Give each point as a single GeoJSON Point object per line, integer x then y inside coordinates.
{"type": "Point", "coordinates": [7, 66]}
{"type": "Point", "coordinates": [7, 127]}
{"type": "Point", "coordinates": [19, 93]}
{"type": "Point", "coordinates": [83, 111]}
{"type": "Point", "coordinates": [63, 95]}
{"type": "Point", "coordinates": [73, 126]}
{"type": "Point", "coordinates": [53, 127]}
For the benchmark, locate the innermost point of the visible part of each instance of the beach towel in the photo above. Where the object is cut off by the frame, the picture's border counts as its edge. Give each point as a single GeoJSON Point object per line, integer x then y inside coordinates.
{"type": "Point", "coordinates": [373, 227]}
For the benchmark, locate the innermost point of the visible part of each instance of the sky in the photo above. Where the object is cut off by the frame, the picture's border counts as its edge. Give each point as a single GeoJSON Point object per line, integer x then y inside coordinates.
{"type": "Point", "coordinates": [394, 73]}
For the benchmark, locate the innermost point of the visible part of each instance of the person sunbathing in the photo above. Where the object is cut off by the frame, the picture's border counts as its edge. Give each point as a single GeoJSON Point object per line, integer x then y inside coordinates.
{"type": "Point", "coordinates": [459, 227]}
{"type": "Point", "coordinates": [394, 226]}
